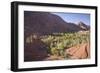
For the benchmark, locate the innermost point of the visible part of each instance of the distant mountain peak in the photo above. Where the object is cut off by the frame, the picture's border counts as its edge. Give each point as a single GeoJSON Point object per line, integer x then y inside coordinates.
{"type": "Point", "coordinates": [83, 26]}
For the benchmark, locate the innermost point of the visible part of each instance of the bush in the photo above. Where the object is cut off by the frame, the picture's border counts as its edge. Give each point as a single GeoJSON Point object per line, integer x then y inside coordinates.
{"type": "Point", "coordinates": [58, 42]}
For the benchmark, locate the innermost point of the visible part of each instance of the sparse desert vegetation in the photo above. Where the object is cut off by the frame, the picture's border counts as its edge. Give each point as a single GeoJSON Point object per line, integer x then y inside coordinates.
{"type": "Point", "coordinates": [58, 44]}
{"type": "Point", "coordinates": [48, 36]}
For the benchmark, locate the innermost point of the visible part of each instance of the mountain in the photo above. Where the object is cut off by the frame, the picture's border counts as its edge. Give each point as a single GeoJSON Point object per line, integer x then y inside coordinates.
{"type": "Point", "coordinates": [46, 23]}
{"type": "Point", "coordinates": [83, 26]}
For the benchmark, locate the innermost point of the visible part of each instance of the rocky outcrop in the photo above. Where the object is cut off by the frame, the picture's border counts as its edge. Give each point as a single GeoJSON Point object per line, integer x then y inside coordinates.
{"type": "Point", "coordinates": [79, 52]}
{"type": "Point", "coordinates": [83, 26]}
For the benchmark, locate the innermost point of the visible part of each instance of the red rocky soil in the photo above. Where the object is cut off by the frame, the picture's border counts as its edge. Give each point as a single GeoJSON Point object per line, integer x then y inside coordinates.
{"type": "Point", "coordinates": [79, 52]}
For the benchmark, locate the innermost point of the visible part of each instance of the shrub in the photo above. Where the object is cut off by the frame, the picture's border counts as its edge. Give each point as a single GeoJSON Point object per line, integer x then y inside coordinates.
{"type": "Point", "coordinates": [58, 42]}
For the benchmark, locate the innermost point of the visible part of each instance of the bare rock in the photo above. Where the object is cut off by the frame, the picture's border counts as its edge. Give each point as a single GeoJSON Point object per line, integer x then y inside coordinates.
{"type": "Point", "coordinates": [81, 51]}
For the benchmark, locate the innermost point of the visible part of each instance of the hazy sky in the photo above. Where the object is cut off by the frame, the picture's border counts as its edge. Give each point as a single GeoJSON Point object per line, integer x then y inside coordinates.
{"type": "Point", "coordinates": [75, 17]}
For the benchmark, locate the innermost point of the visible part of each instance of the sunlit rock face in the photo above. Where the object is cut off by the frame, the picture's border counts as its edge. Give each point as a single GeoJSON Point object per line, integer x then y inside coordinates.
{"type": "Point", "coordinates": [81, 51]}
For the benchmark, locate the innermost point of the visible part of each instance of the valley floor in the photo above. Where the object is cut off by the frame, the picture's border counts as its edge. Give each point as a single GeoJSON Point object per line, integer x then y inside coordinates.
{"type": "Point", "coordinates": [81, 51]}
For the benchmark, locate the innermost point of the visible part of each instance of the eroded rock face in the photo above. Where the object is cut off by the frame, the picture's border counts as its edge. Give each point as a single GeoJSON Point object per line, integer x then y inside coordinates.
{"type": "Point", "coordinates": [79, 52]}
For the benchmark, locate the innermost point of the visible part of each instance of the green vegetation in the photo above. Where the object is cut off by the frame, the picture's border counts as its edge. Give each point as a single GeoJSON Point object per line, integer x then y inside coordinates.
{"type": "Point", "coordinates": [58, 42]}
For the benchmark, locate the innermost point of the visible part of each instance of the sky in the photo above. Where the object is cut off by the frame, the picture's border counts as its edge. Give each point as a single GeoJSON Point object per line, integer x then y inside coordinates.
{"type": "Point", "coordinates": [74, 17]}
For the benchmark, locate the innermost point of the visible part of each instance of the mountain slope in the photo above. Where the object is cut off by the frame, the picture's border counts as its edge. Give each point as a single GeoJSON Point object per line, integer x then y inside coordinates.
{"type": "Point", "coordinates": [46, 23]}
{"type": "Point", "coordinates": [83, 26]}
